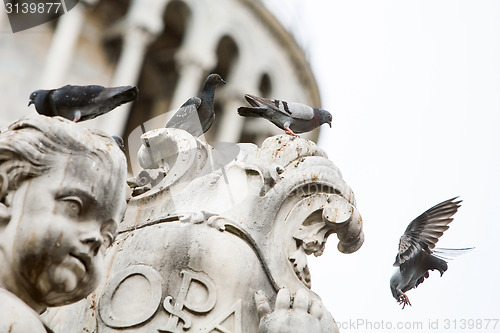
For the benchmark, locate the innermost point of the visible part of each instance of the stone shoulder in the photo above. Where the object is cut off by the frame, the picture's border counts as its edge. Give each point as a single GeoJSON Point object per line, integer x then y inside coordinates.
{"type": "Point", "coordinates": [16, 316]}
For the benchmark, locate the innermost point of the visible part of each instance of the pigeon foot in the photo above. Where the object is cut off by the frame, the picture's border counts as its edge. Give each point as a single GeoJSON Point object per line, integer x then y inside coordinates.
{"type": "Point", "coordinates": [77, 116]}
{"type": "Point", "coordinates": [290, 132]}
{"type": "Point", "coordinates": [403, 299]}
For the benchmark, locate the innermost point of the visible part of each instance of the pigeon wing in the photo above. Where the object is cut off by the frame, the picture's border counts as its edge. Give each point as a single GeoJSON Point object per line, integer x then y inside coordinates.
{"type": "Point", "coordinates": [187, 118]}
{"type": "Point", "coordinates": [76, 96]}
{"type": "Point", "coordinates": [290, 109]}
{"type": "Point", "coordinates": [423, 232]}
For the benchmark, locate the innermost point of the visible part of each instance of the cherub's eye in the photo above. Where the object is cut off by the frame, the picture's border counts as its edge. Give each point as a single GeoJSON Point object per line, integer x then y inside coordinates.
{"type": "Point", "coordinates": [72, 205]}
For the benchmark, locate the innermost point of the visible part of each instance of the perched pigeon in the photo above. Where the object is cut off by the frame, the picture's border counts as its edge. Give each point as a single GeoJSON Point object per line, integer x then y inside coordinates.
{"type": "Point", "coordinates": [293, 117]}
{"type": "Point", "coordinates": [197, 115]}
{"type": "Point", "coordinates": [119, 141]}
{"type": "Point", "coordinates": [417, 254]}
{"type": "Point", "coordinates": [79, 103]}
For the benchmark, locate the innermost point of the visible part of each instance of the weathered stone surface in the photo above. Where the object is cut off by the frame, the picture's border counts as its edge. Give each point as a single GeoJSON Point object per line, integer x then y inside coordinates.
{"type": "Point", "coordinates": [208, 246]}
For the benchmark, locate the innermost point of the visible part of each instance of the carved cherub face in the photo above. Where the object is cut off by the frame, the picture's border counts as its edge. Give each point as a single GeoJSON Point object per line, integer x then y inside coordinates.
{"type": "Point", "coordinates": [61, 223]}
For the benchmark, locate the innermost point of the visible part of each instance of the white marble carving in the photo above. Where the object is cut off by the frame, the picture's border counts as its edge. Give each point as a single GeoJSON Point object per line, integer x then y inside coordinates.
{"type": "Point", "coordinates": [61, 199]}
{"type": "Point", "coordinates": [215, 240]}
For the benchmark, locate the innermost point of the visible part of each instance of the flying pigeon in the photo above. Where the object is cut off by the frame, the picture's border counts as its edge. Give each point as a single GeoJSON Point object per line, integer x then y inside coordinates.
{"type": "Point", "coordinates": [417, 255]}
{"type": "Point", "coordinates": [293, 117]}
{"type": "Point", "coordinates": [79, 103]}
{"type": "Point", "coordinates": [197, 114]}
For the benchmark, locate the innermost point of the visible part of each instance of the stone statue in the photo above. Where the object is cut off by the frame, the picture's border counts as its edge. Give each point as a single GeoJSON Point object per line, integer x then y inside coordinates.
{"type": "Point", "coordinates": [62, 196]}
{"type": "Point", "coordinates": [215, 239]}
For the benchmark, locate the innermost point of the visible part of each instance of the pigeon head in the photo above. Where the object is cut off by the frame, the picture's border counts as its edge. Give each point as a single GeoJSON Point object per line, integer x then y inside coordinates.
{"type": "Point", "coordinates": [325, 117]}
{"type": "Point", "coordinates": [214, 80]}
{"type": "Point", "coordinates": [37, 95]}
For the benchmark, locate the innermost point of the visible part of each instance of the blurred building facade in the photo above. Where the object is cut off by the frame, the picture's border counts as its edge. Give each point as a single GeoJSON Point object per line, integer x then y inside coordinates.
{"type": "Point", "coordinates": [166, 48]}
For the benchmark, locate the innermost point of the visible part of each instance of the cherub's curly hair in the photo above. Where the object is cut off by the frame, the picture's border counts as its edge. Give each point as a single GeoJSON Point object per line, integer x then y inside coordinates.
{"type": "Point", "coordinates": [30, 146]}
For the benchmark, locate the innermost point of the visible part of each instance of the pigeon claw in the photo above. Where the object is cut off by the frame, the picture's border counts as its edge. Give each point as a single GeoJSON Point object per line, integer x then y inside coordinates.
{"type": "Point", "coordinates": [403, 299]}
{"type": "Point", "coordinates": [290, 132]}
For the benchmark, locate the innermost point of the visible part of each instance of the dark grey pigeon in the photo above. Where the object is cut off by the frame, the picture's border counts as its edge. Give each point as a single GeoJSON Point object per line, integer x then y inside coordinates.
{"type": "Point", "coordinates": [417, 254]}
{"type": "Point", "coordinates": [293, 117]}
{"type": "Point", "coordinates": [197, 114]}
{"type": "Point", "coordinates": [79, 103]}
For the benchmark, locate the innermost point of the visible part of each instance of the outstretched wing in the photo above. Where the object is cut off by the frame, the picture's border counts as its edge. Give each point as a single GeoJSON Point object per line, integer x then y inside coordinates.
{"type": "Point", "coordinates": [423, 233]}
{"type": "Point", "coordinates": [291, 109]}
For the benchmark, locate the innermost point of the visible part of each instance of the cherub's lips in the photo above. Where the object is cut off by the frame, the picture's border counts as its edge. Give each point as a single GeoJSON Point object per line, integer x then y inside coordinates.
{"type": "Point", "coordinates": [83, 258]}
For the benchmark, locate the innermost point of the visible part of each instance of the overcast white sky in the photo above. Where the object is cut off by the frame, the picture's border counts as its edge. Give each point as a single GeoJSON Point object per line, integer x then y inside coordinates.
{"type": "Point", "coordinates": [414, 88]}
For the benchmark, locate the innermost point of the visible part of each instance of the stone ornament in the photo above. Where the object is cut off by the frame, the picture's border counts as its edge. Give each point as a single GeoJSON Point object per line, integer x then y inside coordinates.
{"type": "Point", "coordinates": [291, 314]}
{"type": "Point", "coordinates": [215, 240]}
{"type": "Point", "coordinates": [61, 199]}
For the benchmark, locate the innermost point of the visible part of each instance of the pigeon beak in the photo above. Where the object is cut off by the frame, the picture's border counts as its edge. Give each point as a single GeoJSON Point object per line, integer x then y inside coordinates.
{"type": "Point", "coordinates": [330, 123]}
{"type": "Point", "coordinates": [30, 102]}
{"type": "Point", "coordinates": [223, 82]}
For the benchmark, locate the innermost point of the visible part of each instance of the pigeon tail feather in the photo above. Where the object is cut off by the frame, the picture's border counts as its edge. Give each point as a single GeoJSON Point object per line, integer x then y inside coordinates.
{"type": "Point", "coordinates": [251, 111]}
{"type": "Point", "coordinates": [447, 254]}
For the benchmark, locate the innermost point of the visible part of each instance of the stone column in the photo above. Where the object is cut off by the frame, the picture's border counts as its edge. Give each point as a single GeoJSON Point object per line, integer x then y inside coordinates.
{"type": "Point", "coordinates": [63, 45]}
{"type": "Point", "coordinates": [245, 75]}
{"type": "Point", "coordinates": [141, 26]}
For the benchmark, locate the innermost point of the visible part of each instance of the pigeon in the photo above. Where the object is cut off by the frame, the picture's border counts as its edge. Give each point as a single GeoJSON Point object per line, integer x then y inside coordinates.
{"type": "Point", "coordinates": [293, 117]}
{"type": "Point", "coordinates": [197, 114]}
{"type": "Point", "coordinates": [79, 103]}
{"type": "Point", "coordinates": [417, 255]}
{"type": "Point", "coordinates": [119, 141]}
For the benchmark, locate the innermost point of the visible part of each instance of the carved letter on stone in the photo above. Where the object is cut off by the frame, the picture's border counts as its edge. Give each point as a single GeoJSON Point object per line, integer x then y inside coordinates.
{"type": "Point", "coordinates": [117, 310]}
{"type": "Point", "coordinates": [187, 298]}
{"type": "Point", "coordinates": [227, 322]}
